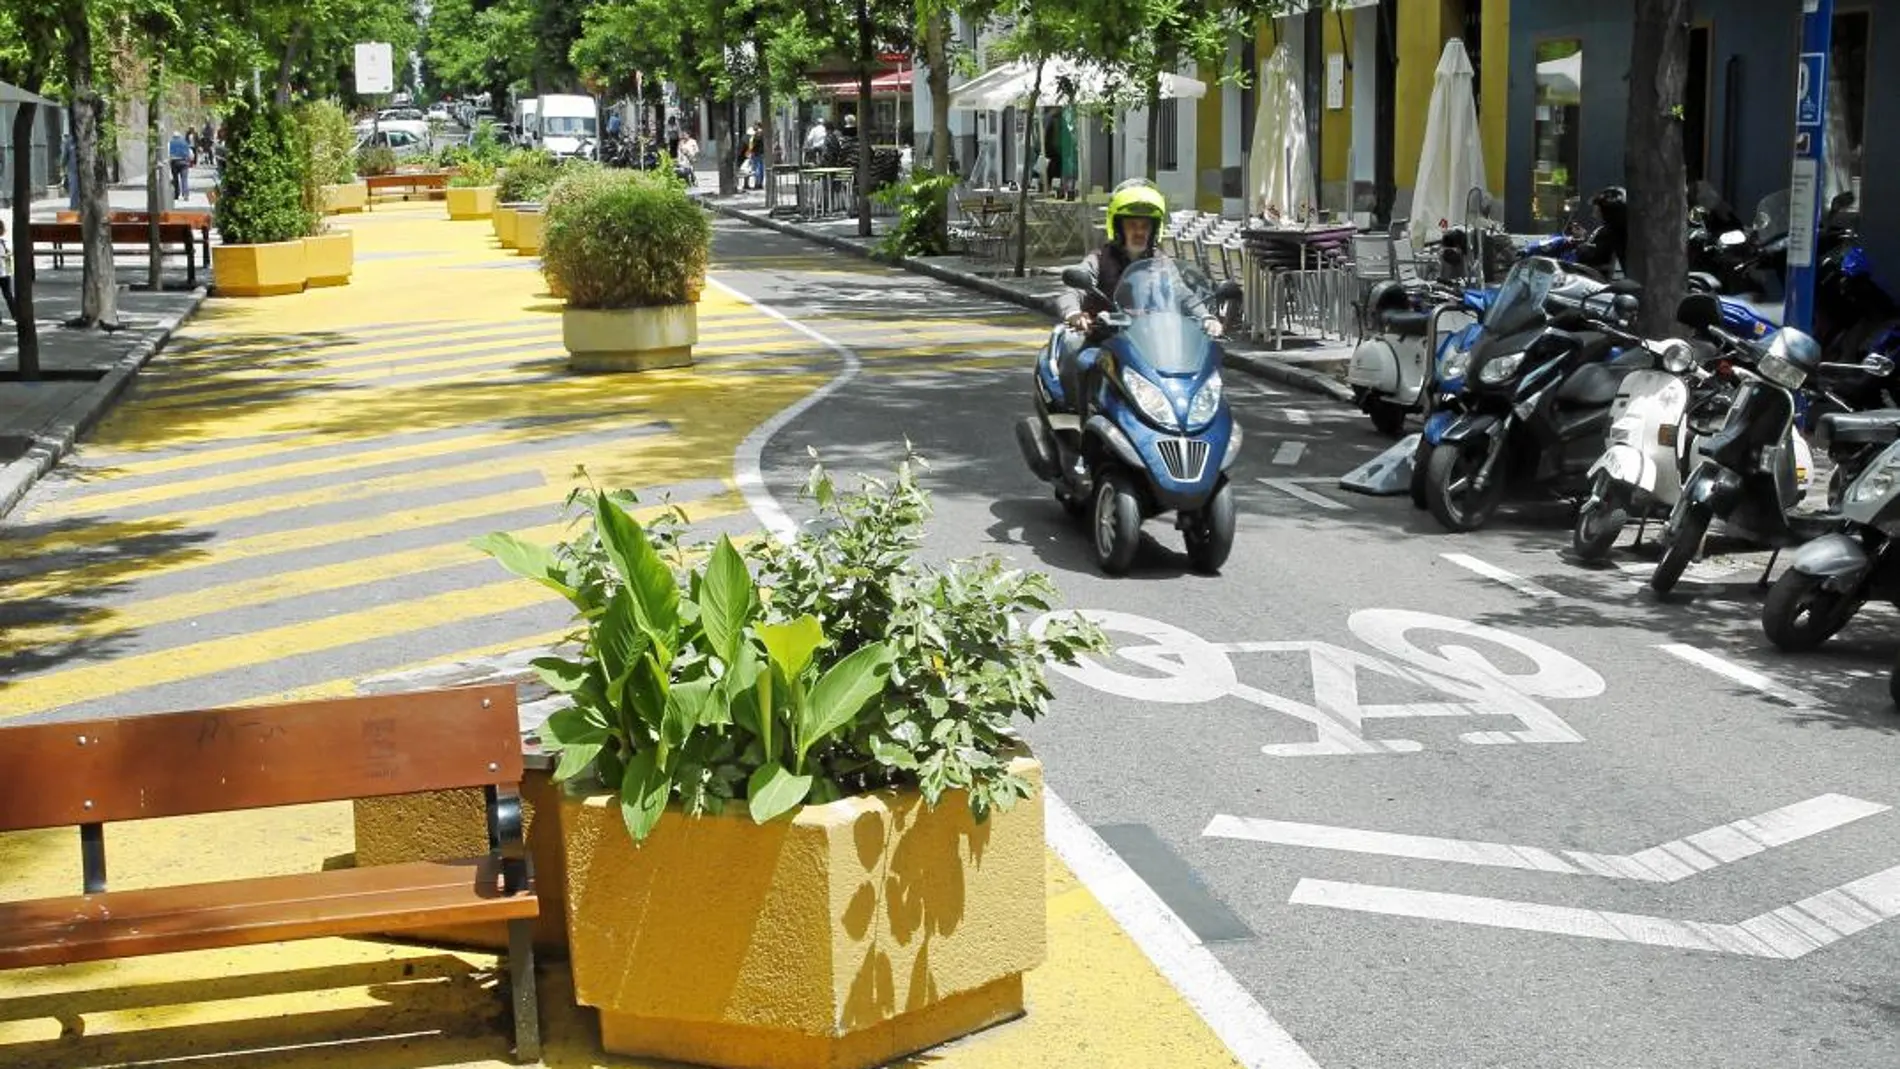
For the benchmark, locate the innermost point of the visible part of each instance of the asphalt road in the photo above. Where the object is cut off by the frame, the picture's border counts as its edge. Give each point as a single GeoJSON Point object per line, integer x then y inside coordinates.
{"type": "Point", "coordinates": [1458, 802]}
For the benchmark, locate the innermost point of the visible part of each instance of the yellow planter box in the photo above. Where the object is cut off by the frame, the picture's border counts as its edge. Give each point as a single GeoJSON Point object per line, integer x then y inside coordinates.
{"type": "Point", "coordinates": [505, 225]}
{"type": "Point", "coordinates": [258, 270]}
{"type": "Point", "coordinates": [329, 259]}
{"type": "Point", "coordinates": [528, 229]}
{"type": "Point", "coordinates": [471, 202]}
{"type": "Point", "coordinates": [349, 197]}
{"type": "Point", "coordinates": [630, 339]}
{"type": "Point", "coordinates": [844, 937]}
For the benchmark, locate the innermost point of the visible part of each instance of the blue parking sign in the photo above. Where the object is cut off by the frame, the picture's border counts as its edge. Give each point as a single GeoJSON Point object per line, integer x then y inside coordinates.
{"type": "Point", "coordinates": [1811, 89]}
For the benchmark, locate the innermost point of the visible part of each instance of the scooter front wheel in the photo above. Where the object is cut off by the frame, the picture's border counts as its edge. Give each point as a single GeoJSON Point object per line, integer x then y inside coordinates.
{"type": "Point", "coordinates": [1685, 541]}
{"type": "Point", "coordinates": [1421, 461]}
{"type": "Point", "coordinates": [1599, 524]}
{"type": "Point", "coordinates": [1117, 533]}
{"type": "Point", "coordinates": [1210, 534]}
{"type": "Point", "coordinates": [1449, 492]}
{"type": "Point", "coordinates": [1801, 612]}
{"type": "Point", "coordinates": [1388, 418]}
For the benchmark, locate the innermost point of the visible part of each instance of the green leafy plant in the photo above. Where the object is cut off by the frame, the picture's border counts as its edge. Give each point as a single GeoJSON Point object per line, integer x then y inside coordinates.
{"type": "Point", "coordinates": [329, 142]}
{"type": "Point", "coordinates": [473, 172]}
{"type": "Point", "coordinates": [625, 239]}
{"type": "Point", "coordinates": [486, 143]}
{"type": "Point", "coordinates": [261, 195]}
{"type": "Point", "coordinates": [834, 666]}
{"type": "Point", "coordinates": [526, 176]}
{"type": "Point", "coordinates": [923, 214]}
{"type": "Point", "coordinates": [376, 159]}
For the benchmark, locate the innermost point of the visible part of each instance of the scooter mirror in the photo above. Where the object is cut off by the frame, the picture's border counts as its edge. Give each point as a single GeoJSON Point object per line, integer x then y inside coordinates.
{"type": "Point", "coordinates": [1078, 277]}
{"type": "Point", "coordinates": [1877, 365]}
{"type": "Point", "coordinates": [1626, 305]}
{"type": "Point", "coordinates": [1699, 311]}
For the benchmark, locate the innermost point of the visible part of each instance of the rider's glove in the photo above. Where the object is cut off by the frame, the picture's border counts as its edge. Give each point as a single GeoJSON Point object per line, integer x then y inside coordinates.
{"type": "Point", "coordinates": [1078, 321]}
{"type": "Point", "coordinates": [1213, 327]}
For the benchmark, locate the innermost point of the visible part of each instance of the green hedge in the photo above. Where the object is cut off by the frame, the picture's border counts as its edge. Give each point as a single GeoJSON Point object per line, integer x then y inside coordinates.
{"type": "Point", "coordinates": [261, 187]}
{"type": "Point", "coordinates": [625, 239]}
{"type": "Point", "coordinates": [526, 175]}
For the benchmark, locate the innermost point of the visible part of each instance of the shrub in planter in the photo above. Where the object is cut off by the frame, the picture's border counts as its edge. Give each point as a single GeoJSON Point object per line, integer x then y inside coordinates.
{"type": "Point", "coordinates": [837, 682]}
{"type": "Point", "coordinates": [472, 190]}
{"type": "Point", "coordinates": [376, 159]}
{"type": "Point", "coordinates": [526, 176]}
{"type": "Point", "coordinates": [629, 250]}
{"type": "Point", "coordinates": [577, 180]}
{"type": "Point", "coordinates": [261, 212]}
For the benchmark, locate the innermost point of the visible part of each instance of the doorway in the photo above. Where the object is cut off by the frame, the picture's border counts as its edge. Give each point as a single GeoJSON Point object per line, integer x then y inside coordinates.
{"type": "Point", "coordinates": [1695, 106]}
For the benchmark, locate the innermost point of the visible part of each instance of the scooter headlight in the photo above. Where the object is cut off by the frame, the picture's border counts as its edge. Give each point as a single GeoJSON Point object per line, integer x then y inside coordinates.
{"type": "Point", "coordinates": [1148, 397]}
{"type": "Point", "coordinates": [1206, 403]}
{"type": "Point", "coordinates": [1878, 480]}
{"type": "Point", "coordinates": [1500, 369]}
{"type": "Point", "coordinates": [1677, 356]}
{"type": "Point", "coordinates": [1455, 365]}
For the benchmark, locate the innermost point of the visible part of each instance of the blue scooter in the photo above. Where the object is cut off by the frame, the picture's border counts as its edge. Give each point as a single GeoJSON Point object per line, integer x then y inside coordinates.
{"type": "Point", "coordinates": [1158, 434]}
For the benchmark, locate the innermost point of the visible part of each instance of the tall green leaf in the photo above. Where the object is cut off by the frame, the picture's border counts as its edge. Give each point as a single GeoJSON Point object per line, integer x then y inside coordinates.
{"type": "Point", "coordinates": [572, 726]}
{"type": "Point", "coordinates": [647, 578]}
{"type": "Point", "coordinates": [841, 693]}
{"type": "Point", "coordinates": [773, 791]}
{"type": "Point", "coordinates": [791, 644]}
{"type": "Point", "coordinates": [575, 759]}
{"type": "Point", "coordinates": [643, 794]}
{"type": "Point", "coordinates": [685, 710]}
{"type": "Point", "coordinates": [529, 561]}
{"type": "Point", "coordinates": [617, 636]}
{"type": "Point", "coordinates": [563, 675]}
{"type": "Point", "coordinates": [727, 600]}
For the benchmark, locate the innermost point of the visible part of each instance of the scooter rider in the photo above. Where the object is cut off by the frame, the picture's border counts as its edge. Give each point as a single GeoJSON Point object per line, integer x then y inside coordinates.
{"type": "Point", "coordinates": [1135, 213]}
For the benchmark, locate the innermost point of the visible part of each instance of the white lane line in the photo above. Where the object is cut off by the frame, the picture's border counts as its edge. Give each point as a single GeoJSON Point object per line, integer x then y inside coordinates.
{"type": "Point", "coordinates": [1289, 452]}
{"type": "Point", "coordinates": [1786, 933]}
{"type": "Point", "coordinates": [1747, 677]}
{"type": "Point", "coordinates": [1294, 489]}
{"type": "Point", "coordinates": [1667, 863]}
{"type": "Point", "coordinates": [1296, 415]}
{"type": "Point", "coordinates": [1254, 1037]}
{"type": "Point", "coordinates": [1491, 571]}
{"type": "Point", "coordinates": [1251, 1034]}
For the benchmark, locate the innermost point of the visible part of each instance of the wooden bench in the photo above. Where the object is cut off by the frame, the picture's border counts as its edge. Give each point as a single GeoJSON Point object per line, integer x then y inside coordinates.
{"type": "Point", "coordinates": [88, 773]}
{"type": "Point", "coordinates": [197, 219]}
{"type": "Point", "coordinates": [423, 181]}
{"type": "Point", "coordinates": [173, 239]}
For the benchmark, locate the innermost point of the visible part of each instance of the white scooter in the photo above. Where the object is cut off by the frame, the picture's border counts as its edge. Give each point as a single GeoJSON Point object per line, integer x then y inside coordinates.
{"type": "Point", "coordinates": [1389, 369]}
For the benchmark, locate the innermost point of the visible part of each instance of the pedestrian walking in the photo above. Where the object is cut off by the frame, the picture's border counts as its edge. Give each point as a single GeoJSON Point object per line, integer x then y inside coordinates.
{"type": "Point", "coordinates": [755, 148]}
{"type": "Point", "coordinates": [6, 272]}
{"type": "Point", "coordinates": [181, 167]}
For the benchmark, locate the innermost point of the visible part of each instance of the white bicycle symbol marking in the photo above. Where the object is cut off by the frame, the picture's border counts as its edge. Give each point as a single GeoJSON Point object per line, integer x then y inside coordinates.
{"type": "Point", "coordinates": [1193, 671]}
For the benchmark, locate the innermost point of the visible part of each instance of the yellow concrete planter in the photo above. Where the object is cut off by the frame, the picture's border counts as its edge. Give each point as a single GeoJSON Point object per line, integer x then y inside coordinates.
{"type": "Point", "coordinates": [844, 937]}
{"type": "Point", "coordinates": [630, 339]}
{"type": "Point", "coordinates": [529, 226]}
{"type": "Point", "coordinates": [259, 270]}
{"type": "Point", "coordinates": [505, 225]}
{"type": "Point", "coordinates": [471, 202]}
{"type": "Point", "coordinates": [445, 825]}
{"type": "Point", "coordinates": [348, 197]}
{"type": "Point", "coordinates": [329, 259]}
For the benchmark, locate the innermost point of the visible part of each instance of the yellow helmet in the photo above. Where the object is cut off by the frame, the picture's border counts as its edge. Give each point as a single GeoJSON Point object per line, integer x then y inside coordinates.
{"type": "Point", "coordinates": [1136, 198]}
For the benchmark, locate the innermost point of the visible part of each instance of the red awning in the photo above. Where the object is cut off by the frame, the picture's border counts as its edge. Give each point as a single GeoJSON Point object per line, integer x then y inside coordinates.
{"type": "Point", "coordinates": [888, 82]}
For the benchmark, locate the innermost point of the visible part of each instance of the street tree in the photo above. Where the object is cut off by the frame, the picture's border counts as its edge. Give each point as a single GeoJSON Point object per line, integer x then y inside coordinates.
{"type": "Point", "coordinates": [1654, 171]}
{"type": "Point", "coordinates": [469, 45]}
{"type": "Point", "coordinates": [29, 36]}
{"type": "Point", "coordinates": [310, 41]}
{"type": "Point", "coordinates": [99, 291]}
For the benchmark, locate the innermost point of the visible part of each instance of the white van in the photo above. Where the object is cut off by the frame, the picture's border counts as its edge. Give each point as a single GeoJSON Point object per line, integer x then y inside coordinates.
{"type": "Point", "coordinates": [527, 122]}
{"type": "Point", "coordinates": [570, 125]}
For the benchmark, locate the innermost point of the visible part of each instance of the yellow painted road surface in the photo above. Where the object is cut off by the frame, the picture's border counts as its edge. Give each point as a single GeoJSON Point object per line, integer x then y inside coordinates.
{"type": "Point", "coordinates": [282, 505]}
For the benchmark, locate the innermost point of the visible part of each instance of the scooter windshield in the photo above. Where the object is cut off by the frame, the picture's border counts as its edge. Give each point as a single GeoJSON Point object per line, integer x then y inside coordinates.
{"type": "Point", "coordinates": [1520, 301]}
{"type": "Point", "coordinates": [1165, 311]}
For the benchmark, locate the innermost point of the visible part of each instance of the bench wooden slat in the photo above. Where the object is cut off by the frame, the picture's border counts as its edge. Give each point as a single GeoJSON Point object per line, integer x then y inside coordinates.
{"type": "Point", "coordinates": [254, 757]}
{"type": "Point", "coordinates": [267, 910]}
{"type": "Point", "coordinates": [122, 233]}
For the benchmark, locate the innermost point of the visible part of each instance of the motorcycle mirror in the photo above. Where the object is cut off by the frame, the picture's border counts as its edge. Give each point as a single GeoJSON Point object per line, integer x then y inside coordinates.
{"type": "Point", "coordinates": [1699, 310]}
{"type": "Point", "coordinates": [1877, 365]}
{"type": "Point", "coordinates": [1078, 277]}
{"type": "Point", "coordinates": [1626, 305]}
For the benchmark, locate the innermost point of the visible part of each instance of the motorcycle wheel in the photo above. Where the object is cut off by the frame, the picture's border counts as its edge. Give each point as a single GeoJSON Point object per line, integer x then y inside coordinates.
{"type": "Point", "coordinates": [1685, 542]}
{"type": "Point", "coordinates": [1421, 460]}
{"type": "Point", "coordinates": [1210, 536]}
{"type": "Point", "coordinates": [1117, 526]}
{"type": "Point", "coordinates": [1599, 524]}
{"type": "Point", "coordinates": [1387, 418]}
{"type": "Point", "coordinates": [1466, 509]}
{"type": "Point", "coordinates": [1801, 613]}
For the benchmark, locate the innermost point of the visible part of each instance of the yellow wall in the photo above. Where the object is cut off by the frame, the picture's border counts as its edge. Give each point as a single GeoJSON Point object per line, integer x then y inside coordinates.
{"type": "Point", "coordinates": [1424, 27]}
{"type": "Point", "coordinates": [1207, 140]}
{"type": "Point", "coordinates": [1335, 136]}
{"type": "Point", "coordinates": [1496, 76]}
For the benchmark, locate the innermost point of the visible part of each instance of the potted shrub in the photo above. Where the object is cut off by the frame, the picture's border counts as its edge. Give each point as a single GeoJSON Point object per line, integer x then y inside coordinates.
{"type": "Point", "coordinates": [329, 143]}
{"type": "Point", "coordinates": [797, 827]}
{"type": "Point", "coordinates": [525, 178]}
{"type": "Point", "coordinates": [261, 215]}
{"type": "Point", "coordinates": [574, 183]}
{"type": "Point", "coordinates": [629, 251]}
{"type": "Point", "coordinates": [472, 190]}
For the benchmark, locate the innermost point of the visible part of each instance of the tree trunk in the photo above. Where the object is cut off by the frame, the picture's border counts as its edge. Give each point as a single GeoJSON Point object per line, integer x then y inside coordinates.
{"type": "Point", "coordinates": [865, 57]}
{"type": "Point", "coordinates": [1022, 188]}
{"type": "Point", "coordinates": [723, 140]}
{"type": "Point", "coordinates": [155, 175]}
{"type": "Point", "coordinates": [288, 62]}
{"type": "Point", "coordinates": [765, 124]}
{"type": "Point", "coordinates": [1658, 197]}
{"type": "Point", "coordinates": [99, 288]}
{"type": "Point", "coordinates": [1154, 130]}
{"type": "Point", "coordinates": [937, 54]}
{"type": "Point", "coordinates": [25, 327]}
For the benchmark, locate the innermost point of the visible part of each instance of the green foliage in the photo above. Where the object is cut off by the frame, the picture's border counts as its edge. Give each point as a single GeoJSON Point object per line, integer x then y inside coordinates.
{"type": "Point", "coordinates": [526, 176]}
{"type": "Point", "coordinates": [261, 188]}
{"type": "Point", "coordinates": [485, 143]}
{"type": "Point", "coordinates": [702, 684]}
{"type": "Point", "coordinates": [327, 142]}
{"type": "Point", "coordinates": [923, 214]}
{"type": "Point", "coordinates": [473, 172]}
{"type": "Point", "coordinates": [626, 239]}
{"type": "Point", "coordinates": [376, 159]}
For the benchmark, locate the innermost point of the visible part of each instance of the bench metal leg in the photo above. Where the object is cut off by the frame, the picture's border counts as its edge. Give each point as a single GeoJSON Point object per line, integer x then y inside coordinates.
{"type": "Point", "coordinates": [527, 1006]}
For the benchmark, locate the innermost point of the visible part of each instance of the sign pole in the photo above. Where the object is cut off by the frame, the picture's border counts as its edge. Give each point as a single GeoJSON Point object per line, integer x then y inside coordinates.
{"type": "Point", "coordinates": [1805, 206]}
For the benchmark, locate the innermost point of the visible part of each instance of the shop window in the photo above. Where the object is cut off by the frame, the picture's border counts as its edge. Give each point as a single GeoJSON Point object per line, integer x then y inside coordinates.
{"type": "Point", "coordinates": [1559, 104]}
{"type": "Point", "coordinates": [1168, 133]}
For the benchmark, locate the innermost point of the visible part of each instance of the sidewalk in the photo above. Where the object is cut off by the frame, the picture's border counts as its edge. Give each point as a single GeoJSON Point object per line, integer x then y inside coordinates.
{"type": "Point", "coordinates": [1308, 364]}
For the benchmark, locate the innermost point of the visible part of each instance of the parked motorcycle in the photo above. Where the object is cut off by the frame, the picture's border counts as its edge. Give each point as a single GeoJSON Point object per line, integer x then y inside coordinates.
{"type": "Point", "coordinates": [1390, 369]}
{"type": "Point", "coordinates": [1158, 436]}
{"type": "Point", "coordinates": [1835, 574]}
{"type": "Point", "coordinates": [1528, 403]}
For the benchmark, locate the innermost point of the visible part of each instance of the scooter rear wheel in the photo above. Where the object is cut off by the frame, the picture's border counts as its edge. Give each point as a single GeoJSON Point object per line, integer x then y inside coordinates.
{"type": "Point", "coordinates": [1210, 535]}
{"type": "Point", "coordinates": [1117, 523]}
{"type": "Point", "coordinates": [1599, 524]}
{"type": "Point", "coordinates": [1387, 418]}
{"type": "Point", "coordinates": [1801, 613]}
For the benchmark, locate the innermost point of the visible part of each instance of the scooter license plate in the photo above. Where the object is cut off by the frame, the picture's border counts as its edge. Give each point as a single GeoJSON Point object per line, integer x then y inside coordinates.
{"type": "Point", "coordinates": [1666, 435]}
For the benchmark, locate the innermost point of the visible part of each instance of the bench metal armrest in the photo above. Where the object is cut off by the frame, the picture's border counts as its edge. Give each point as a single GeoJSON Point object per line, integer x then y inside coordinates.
{"type": "Point", "coordinates": [507, 842]}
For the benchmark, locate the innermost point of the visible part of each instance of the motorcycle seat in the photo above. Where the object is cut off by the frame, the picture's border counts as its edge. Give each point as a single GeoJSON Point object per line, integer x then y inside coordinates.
{"type": "Point", "coordinates": [1592, 385]}
{"type": "Point", "coordinates": [1406, 324]}
{"type": "Point", "coordinates": [1879, 428]}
